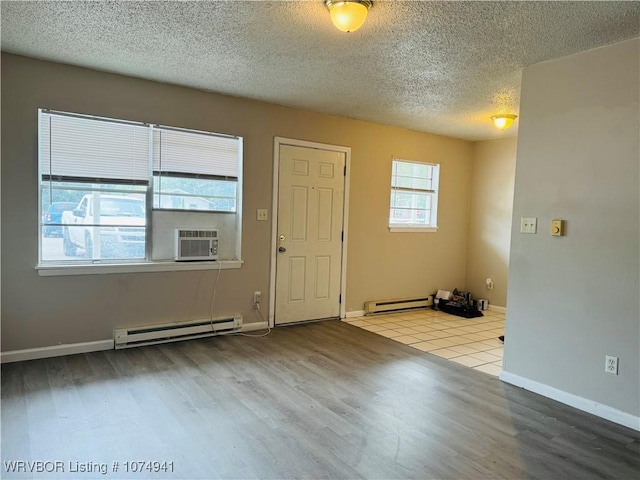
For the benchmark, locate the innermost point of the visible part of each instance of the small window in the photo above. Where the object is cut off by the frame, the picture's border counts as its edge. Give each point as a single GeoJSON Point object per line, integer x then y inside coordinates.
{"type": "Point", "coordinates": [195, 170]}
{"type": "Point", "coordinates": [414, 195]}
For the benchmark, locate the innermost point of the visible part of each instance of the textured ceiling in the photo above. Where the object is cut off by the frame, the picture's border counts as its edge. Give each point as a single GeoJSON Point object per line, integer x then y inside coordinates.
{"type": "Point", "coordinates": [441, 67]}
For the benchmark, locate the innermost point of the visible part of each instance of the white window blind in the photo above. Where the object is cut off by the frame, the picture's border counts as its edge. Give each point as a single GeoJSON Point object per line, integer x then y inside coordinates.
{"type": "Point", "coordinates": [89, 149]}
{"type": "Point", "coordinates": [193, 154]}
{"type": "Point", "coordinates": [414, 194]}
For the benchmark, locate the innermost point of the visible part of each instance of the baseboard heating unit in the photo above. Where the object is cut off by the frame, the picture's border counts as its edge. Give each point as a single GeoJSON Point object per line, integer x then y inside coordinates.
{"type": "Point", "coordinates": [397, 304]}
{"type": "Point", "coordinates": [173, 332]}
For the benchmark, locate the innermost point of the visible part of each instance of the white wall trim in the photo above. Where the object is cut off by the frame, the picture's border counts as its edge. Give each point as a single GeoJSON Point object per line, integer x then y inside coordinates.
{"type": "Point", "coordinates": [250, 327]}
{"type": "Point", "coordinates": [354, 313]}
{"type": "Point", "coordinates": [277, 143]}
{"type": "Point", "coordinates": [144, 267]}
{"type": "Point", "coordinates": [598, 409]}
{"type": "Point", "coordinates": [55, 351]}
{"type": "Point", "coordinates": [85, 347]}
{"type": "Point", "coordinates": [498, 309]}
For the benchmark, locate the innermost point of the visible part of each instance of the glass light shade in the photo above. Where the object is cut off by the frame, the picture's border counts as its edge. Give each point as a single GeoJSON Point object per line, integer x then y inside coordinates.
{"type": "Point", "coordinates": [503, 121]}
{"type": "Point", "coordinates": [348, 16]}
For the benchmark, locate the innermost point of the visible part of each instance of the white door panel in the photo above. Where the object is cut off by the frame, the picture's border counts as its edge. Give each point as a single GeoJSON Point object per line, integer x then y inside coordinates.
{"type": "Point", "coordinates": [310, 222]}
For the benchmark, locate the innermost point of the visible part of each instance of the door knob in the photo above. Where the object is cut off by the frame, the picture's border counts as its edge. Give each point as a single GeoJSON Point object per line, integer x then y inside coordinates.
{"type": "Point", "coordinates": [282, 249]}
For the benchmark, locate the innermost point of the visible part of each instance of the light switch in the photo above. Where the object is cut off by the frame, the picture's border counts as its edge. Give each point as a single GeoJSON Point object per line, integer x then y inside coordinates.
{"type": "Point", "coordinates": [557, 228]}
{"type": "Point", "coordinates": [262, 214]}
{"type": "Point", "coordinates": [528, 224]}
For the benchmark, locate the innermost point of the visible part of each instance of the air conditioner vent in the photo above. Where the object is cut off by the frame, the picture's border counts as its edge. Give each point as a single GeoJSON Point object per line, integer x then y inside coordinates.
{"type": "Point", "coordinates": [196, 244]}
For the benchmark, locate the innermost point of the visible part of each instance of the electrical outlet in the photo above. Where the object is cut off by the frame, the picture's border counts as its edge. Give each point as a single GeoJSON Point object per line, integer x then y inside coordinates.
{"type": "Point", "coordinates": [262, 214]}
{"type": "Point", "coordinates": [256, 297]}
{"type": "Point", "coordinates": [528, 224]}
{"type": "Point", "coordinates": [611, 364]}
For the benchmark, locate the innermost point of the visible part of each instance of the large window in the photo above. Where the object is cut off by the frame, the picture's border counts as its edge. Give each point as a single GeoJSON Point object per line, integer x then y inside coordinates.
{"type": "Point", "coordinates": [414, 195]}
{"type": "Point", "coordinates": [100, 179]}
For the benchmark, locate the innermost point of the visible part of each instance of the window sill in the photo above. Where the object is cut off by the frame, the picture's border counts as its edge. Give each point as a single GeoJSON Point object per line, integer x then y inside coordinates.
{"type": "Point", "coordinates": [412, 229]}
{"type": "Point", "coordinates": [146, 267]}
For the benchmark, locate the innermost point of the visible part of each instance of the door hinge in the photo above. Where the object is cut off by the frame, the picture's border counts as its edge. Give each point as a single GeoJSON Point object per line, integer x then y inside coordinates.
{"type": "Point", "coordinates": [345, 170]}
{"type": "Point", "coordinates": [339, 298]}
{"type": "Point", "coordinates": [342, 236]}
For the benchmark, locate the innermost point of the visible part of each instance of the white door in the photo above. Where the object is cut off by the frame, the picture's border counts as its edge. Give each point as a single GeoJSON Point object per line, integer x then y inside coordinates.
{"type": "Point", "coordinates": [310, 221]}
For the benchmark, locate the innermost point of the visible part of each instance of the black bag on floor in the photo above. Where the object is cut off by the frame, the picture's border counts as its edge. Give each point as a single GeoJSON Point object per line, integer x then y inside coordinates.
{"type": "Point", "coordinates": [462, 310]}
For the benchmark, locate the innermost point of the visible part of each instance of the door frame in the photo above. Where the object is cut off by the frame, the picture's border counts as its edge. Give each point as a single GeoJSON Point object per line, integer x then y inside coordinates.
{"type": "Point", "coordinates": [277, 143]}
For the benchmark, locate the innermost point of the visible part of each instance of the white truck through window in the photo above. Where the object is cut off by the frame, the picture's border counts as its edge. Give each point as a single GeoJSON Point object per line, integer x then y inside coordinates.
{"type": "Point", "coordinates": [105, 226]}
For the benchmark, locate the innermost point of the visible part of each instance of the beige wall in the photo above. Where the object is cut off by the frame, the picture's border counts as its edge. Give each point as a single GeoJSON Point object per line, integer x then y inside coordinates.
{"type": "Point", "coordinates": [494, 165]}
{"type": "Point", "coordinates": [574, 299]}
{"type": "Point", "coordinates": [43, 311]}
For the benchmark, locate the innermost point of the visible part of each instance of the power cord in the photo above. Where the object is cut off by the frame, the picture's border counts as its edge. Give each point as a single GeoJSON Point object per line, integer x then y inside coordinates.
{"type": "Point", "coordinates": [213, 295]}
{"type": "Point", "coordinates": [256, 307]}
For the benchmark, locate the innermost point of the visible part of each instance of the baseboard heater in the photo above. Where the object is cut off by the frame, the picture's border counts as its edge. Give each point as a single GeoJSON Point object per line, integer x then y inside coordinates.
{"type": "Point", "coordinates": [397, 304]}
{"type": "Point", "coordinates": [173, 332]}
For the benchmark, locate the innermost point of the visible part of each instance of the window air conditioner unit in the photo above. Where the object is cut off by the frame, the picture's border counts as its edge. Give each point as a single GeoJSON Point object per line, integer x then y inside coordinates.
{"type": "Point", "coordinates": [196, 244]}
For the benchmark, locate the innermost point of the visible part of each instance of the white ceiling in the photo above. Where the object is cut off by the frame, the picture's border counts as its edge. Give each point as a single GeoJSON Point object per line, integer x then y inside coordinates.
{"type": "Point", "coordinates": [441, 67]}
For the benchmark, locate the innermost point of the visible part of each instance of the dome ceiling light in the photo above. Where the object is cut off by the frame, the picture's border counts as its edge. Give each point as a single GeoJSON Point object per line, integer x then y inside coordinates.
{"type": "Point", "coordinates": [348, 16]}
{"type": "Point", "coordinates": [503, 120]}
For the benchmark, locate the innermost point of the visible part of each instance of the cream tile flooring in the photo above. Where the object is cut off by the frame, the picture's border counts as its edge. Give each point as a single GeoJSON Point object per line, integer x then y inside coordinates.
{"type": "Point", "coordinates": [469, 341]}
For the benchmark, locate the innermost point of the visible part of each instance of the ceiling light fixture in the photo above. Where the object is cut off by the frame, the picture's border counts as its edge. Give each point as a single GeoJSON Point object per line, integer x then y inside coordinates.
{"type": "Point", "coordinates": [348, 16]}
{"type": "Point", "coordinates": [503, 120]}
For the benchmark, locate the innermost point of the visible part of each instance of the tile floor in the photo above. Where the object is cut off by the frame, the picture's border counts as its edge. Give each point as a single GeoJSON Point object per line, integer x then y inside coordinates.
{"type": "Point", "coordinates": [469, 341]}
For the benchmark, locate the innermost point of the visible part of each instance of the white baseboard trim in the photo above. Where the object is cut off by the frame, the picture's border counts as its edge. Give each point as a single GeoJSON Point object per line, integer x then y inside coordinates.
{"type": "Point", "coordinates": [55, 351]}
{"type": "Point", "coordinates": [355, 313]}
{"type": "Point", "coordinates": [598, 409]}
{"type": "Point", "coordinates": [86, 347]}
{"type": "Point", "coordinates": [497, 308]}
{"type": "Point", "coordinates": [250, 327]}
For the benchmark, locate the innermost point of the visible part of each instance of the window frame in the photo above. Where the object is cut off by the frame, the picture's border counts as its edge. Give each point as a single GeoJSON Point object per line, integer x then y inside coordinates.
{"type": "Point", "coordinates": [157, 175]}
{"type": "Point", "coordinates": [138, 264]}
{"type": "Point", "coordinates": [434, 193]}
{"type": "Point", "coordinates": [77, 180]}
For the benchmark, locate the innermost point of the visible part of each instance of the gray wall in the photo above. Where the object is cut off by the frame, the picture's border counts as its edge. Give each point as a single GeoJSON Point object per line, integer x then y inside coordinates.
{"type": "Point", "coordinates": [574, 299]}
{"type": "Point", "coordinates": [44, 311]}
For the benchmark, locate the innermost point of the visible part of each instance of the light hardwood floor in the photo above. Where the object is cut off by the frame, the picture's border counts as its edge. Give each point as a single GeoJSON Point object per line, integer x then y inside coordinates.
{"type": "Point", "coordinates": [319, 400]}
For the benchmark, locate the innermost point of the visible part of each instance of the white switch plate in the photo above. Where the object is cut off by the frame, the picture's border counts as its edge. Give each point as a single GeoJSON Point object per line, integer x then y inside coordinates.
{"type": "Point", "coordinates": [262, 214]}
{"type": "Point", "coordinates": [528, 224]}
